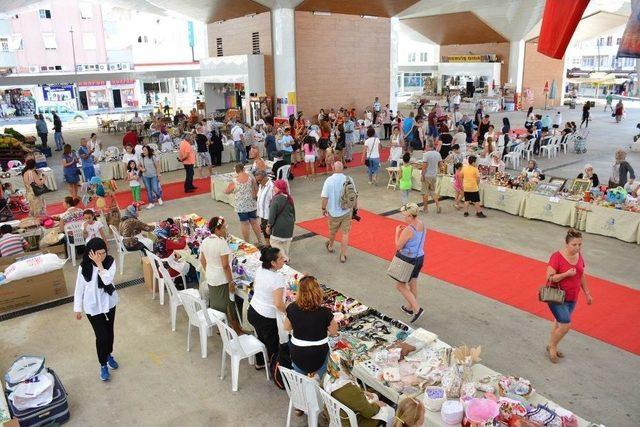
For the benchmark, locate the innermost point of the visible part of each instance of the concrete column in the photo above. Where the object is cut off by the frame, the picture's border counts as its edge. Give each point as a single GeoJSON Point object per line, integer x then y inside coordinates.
{"type": "Point", "coordinates": [393, 60]}
{"type": "Point", "coordinates": [516, 64]}
{"type": "Point", "coordinates": [284, 51]}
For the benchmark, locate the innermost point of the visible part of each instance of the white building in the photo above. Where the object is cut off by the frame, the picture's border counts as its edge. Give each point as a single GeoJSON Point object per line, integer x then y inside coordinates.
{"type": "Point", "coordinates": [599, 54]}
{"type": "Point", "coordinates": [418, 58]}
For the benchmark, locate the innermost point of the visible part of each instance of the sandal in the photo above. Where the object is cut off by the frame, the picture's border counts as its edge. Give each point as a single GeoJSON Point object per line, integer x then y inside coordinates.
{"type": "Point", "coordinates": [343, 258]}
{"type": "Point", "coordinates": [329, 247]}
{"type": "Point", "coordinates": [558, 352]}
{"type": "Point", "coordinates": [259, 368]}
{"type": "Point", "coordinates": [552, 358]}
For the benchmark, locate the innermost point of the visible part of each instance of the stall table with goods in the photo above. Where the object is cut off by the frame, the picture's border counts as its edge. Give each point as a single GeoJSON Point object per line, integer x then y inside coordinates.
{"type": "Point", "coordinates": [220, 182]}
{"type": "Point", "coordinates": [396, 360]}
{"type": "Point", "coordinates": [16, 181]}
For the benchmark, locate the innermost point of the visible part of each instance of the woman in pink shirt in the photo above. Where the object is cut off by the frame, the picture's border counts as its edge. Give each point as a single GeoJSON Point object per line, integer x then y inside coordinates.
{"type": "Point", "coordinates": [309, 147]}
{"type": "Point", "coordinates": [566, 270]}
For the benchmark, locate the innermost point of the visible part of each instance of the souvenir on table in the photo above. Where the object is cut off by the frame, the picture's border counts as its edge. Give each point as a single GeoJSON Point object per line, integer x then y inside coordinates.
{"type": "Point", "coordinates": [547, 189]}
{"type": "Point", "coordinates": [511, 407]}
{"type": "Point", "coordinates": [484, 171]}
{"type": "Point", "coordinates": [580, 186]}
{"type": "Point", "coordinates": [481, 411]}
{"type": "Point", "coordinates": [616, 196]}
{"type": "Point", "coordinates": [517, 387]}
{"type": "Point", "coordinates": [452, 381]}
{"type": "Point", "coordinates": [452, 412]}
{"type": "Point", "coordinates": [433, 398]}
{"type": "Point", "coordinates": [558, 181]}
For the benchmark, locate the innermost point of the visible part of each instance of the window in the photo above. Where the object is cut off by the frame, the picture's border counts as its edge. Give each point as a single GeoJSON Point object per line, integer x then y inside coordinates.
{"type": "Point", "coordinates": [600, 41]}
{"type": "Point", "coordinates": [629, 62]}
{"type": "Point", "coordinates": [4, 44]}
{"type": "Point", "coordinates": [49, 41]}
{"type": "Point", "coordinates": [255, 43]}
{"type": "Point", "coordinates": [86, 10]}
{"type": "Point", "coordinates": [609, 40]}
{"type": "Point", "coordinates": [44, 13]}
{"type": "Point", "coordinates": [577, 60]}
{"type": "Point", "coordinates": [58, 67]}
{"type": "Point", "coordinates": [412, 57]}
{"type": "Point", "coordinates": [423, 56]}
{"type": "Point", "coordinates": [89, 41]}
{"type": "Point", "coordinates": [414, 80]}
{"type": "Point", "coordinates": [15, 43]}
{"type": "Point", "coordinates": [604, 60]}
{"type": "Point", "coordinates": [588, 61]}
{"type": "Point", "coordinates": [219, 51]}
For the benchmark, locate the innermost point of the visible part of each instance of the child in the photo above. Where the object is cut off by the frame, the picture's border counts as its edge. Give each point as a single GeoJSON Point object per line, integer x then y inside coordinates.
{"type": "Point", "coordinates": [133, 178]}
{"type": "Point", "coordinates": [404, 176]}
{"type": "Point", "coordinates": [363, 132]}
{"type": "Point", "coordinates": [309, 148]}
{"type": "Point", "coordinates": [329, 158]}
{"type": "Point", "coordinates": [457, 184]}
{"type": "Point", "coordinates": [92, 228]}
{"type": "Point", "coordinates": [410, 413]}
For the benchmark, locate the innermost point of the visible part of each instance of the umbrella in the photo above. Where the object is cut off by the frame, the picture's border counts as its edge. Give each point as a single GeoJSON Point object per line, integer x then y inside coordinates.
{"type": "Point", "coordinates": [553, 90]}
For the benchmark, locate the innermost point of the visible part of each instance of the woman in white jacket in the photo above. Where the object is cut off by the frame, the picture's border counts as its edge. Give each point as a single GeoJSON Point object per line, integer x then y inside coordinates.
{"type": "Point", "coordinates": [96, 295]}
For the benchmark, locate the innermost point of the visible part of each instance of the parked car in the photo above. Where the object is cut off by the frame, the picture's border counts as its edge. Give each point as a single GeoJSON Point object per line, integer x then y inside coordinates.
{"type": "Point", "coordinates": [66, 114]}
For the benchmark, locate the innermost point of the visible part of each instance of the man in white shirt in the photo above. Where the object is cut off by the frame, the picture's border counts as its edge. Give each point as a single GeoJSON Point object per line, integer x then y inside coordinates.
{"type": "Point", "coordinates": [431, 160]}
{"type": "Point", "coordinates": [339, 218]}
{"type": "Point", "coordinates": [456, 101]}
{"type": "Point", "coordinates": [377, 108]}
{"type": "Point", "coordinates": [265, 194]}
{"type": "Point", "coordinates": [237, 135]}
{"type": "Point", "coordinates": [136, 119]}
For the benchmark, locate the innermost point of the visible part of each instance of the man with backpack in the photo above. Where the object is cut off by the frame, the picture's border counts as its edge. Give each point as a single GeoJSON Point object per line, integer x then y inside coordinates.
{"type": "Point", "coordinates": [339, 199]}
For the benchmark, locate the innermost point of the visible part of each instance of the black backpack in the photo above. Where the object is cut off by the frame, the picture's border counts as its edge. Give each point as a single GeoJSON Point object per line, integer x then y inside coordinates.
{"type": "Point", "coordinates": [281, 358]}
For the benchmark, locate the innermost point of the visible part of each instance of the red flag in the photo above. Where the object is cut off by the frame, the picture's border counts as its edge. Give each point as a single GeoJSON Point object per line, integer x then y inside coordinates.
{"type": "Point", "coordinates": [559, 22]}
{"type": "Point", "coordinates": [546, 86]}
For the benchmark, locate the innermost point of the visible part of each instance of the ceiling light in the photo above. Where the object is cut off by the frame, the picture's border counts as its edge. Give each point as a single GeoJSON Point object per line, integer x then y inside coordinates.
{"type": "Point", "coordinates": [368, 17]}
{"type": "Point", "coordinates": [250, 15]}
{"type": "Point", "coordinates": [322, 13]}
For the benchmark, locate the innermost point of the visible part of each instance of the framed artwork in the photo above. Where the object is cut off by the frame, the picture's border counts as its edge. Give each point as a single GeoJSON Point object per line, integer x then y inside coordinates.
{"type": "Point", "coordinates": [555, 180]}
{"type": "Point", "coordinates": [579, 186]}
{"type": "Point", "coordinates": [548, 189]}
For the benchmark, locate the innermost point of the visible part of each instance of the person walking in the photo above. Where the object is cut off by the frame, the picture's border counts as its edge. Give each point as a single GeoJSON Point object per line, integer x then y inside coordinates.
{"type": "Point", "coordinates": [245, 190]}
{"type": "Point", "coordinates": [282, 218]}
{"type": "Point", "coordinates": [96, 296]}
{"type": "Point", "coordinates": [619, 111]}
{"type": "Point", "coordinates": [585, 114]}
{"type": "Point", "coordinates": [86, 156]}
{"type": "Point", "coordinates": [349, 132]}
{"type": "Point", "coordinates": [566, 270]}
{"type": "Point", "coordinates": [150, 167]}
{"type": "Point", "coordinates": [41, 129]}
{"type": "Point", "coordinates": [409, 241]}
{"type": "Point", "coordinates": [621, 171]}
{"type": "Point", "coordinates": [202, 144]}
{"type": "Point", "coordinates": [267, 301]}
{"type": "Point", "coordinates": [371, 155]}
{"type": "Point", "coordinates": [470, 185]}
{"type": "Point", "coordinates": [431, 160]}
{"type": "Point", "coordinates": [339, 216]}
{"type": "Point", "coordinates": [70, 170]}
{"type": "Point", "coordinates": [404, 177]}
{"type": "Point", "coordinates": [377, 109]}
{"type": "Point", "coordinates": [216, 147]}
{"type": "Point", "coordinates": [609, 100]}
{"type": "Point", "coordinates": [57, 131]}
{"type": "Point", "coordinates": [31, 175]}
{"type": "Point", "coordinates": [270, 143]}
{"type": "Point", "coordinates": [265, 196]}
{"type": "Point", "coordinates": [387, 118]}
{"type": "Point", "coordinates": [237, 134]}
{"type": "Point", "coordinates": [187, 156]}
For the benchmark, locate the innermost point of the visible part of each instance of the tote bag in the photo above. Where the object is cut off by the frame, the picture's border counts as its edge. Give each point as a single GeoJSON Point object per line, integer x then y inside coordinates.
{"type": "Point", "coordinates": [400, 269]}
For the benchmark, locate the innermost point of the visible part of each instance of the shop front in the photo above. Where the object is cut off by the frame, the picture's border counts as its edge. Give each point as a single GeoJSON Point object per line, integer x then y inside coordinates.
{"type": "Point", "coordinates": [94, 95]}
{"type": "Point", "coordinates": [17, 101]}
{"type": "Point", "coordinates": [476, 79]}
{"type": "Point", "coordinates": [123, 93]}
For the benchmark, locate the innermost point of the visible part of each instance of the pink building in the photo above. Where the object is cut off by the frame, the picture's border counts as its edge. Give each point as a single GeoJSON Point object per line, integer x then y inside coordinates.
{"type": "Point", "coordinates": [45, 34]}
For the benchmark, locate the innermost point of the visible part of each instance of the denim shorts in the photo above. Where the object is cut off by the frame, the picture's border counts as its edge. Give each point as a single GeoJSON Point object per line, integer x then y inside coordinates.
{"type": "Point", "coordinates": [417, 264]}
{"type": "Point", "coordinates": [247, 216]}
{"type": "Point", "coordinates": [562, 312]}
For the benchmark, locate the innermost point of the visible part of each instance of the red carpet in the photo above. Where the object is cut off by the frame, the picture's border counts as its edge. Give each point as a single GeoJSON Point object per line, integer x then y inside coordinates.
{"type": "Point", "coordinates": [170, 191]}
{"type": "Point", "coordinates": [300, 170]}
{"type": "Point", "coordinates": [505, 277]}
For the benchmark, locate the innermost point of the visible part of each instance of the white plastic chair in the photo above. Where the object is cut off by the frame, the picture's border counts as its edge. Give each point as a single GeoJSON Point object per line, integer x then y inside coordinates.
{"type": "Point", "coordinates": [514, 156]}
{"type": "Point", "coordinates": [200, 316]}
{"type": "Point", "coordinates": [303, 395]}
{"type": "Point", "coordinates": [158, 282]}
{"type": "Point", "coordinates": [238, 348]}
{"type": "Point", "coordinates": [175, 299]}
{"type": "Point", "coordinates": [74, 229]}
{"type": "Point", "coordinates": [120, 244]}
{"type": "Point", "coordinates": [528, 149]}
{"type": "Point", "coordinates": [113, 152]}
{"type": "Point", "coordinates": [334, 408]}
{"type": "Point", "coordinates": [551, 148]}
{"type": "Point", "coordinates": [564, 140]}
{"type": "Point", "coordinates": [283, 173]}
{"type": "Point", "coordinates": [500, 144]}
{"type": "Point", "coordinates": [153, 146]}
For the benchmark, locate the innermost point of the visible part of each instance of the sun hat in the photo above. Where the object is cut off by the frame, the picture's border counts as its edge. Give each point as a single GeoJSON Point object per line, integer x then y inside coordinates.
{"type": "Point", "coordinates": [410, 209]}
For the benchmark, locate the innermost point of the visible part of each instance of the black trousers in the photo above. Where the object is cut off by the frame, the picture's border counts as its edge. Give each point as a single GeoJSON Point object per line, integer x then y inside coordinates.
{"type": "Point", "coordinates": [267, 331]}
{"type": "Point", "coordinates": [216, 157]}
{"type": "Point", "coordinates": [188, 180]}
{"type": "Point", "coordinates": [44, 137]}
{"type": "Point", "coordinates": [102, 325]}
{"type": "Point", "coordinates": [387, 130]}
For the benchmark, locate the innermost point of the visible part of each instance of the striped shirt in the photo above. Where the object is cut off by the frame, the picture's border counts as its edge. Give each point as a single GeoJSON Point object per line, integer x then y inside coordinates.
{"type": "Point", "coordinates": [11, 244]}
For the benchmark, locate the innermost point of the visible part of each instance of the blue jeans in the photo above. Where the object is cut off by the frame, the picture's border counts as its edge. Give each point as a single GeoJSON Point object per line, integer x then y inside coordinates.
{"type": "Point", "coordinates": [57, 137]}
{"type": "Point", "coordinates": [154, 191]}
{"type": "Point", "coordinates": [321, 371]}
{"type": "Point", "coordinates": [89, 172]}
{"type": "Point", "coordinates": [241, 153]}
{"type": "Point", "coordinates": [562, 312]}
{"type": "Point", "coordinates": [374, 165]}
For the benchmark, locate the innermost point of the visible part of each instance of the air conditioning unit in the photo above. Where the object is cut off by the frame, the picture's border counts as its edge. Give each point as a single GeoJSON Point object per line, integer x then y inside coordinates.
{"type": "Point", "coordinates": [80, 68]}
{"type": "Point", "coordinates": [33, 68]}
{"type": "Point", "coordinates": [113, 67]}
{"type": "Point", "coordinates": [125, 66]}
{"type": "Point", "coordinates": [102, 67]}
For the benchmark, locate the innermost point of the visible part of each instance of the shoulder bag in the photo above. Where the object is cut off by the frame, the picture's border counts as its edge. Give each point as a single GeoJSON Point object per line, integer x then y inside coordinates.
{"type": "Point", "coordinates": [551, 294]}
{"type": "Point", "coordinates": [366, 160]}
{"type": "Point", "coordinates": [400, 269]}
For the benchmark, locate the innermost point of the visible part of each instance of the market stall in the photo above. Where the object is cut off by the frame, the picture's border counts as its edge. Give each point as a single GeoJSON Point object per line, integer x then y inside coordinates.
{"type": "Point", "coordinates": [502, 198]}
{"type": "Point", "coordinates": [18, 184]}
{"type": "Point", "coordinates": [558, 210]}
{"type": "Point", "coordinates": [612, 222]}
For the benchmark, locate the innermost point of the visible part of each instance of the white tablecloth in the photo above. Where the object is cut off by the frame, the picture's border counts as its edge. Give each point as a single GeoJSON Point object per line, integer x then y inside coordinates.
{"type": "Point", "coordinates": [47, 173]}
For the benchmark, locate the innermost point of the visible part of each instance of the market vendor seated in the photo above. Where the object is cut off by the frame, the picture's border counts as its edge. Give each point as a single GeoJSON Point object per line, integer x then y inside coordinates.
{"type": "Point", "coordinates": [165, 141]}
{"type": "Point", "coordinates": [130, 229]}
{"type": "Point", "coordinates": [72, 213]}
{"type": "Point", "coordinates": [497, 162]}
{"type": "Point", "coordinates": [342, 385]}
{"type": "Point", "coordinates": [167, 241]}
{"type": "Point", "coordinates": [588, 173]}
{"type": "Point", "coordinates": [533, 171]}
{"type": "Point", "coordinates": [10, 243]}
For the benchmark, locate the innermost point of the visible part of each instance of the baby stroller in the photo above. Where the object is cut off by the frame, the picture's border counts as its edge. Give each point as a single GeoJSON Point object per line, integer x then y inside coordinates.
{"type": "Point", "coordinates": [5, 211]}
{"type": "Point", "coordinates": [18, 203]}
{"type": "Point", "coordinates": [580, 142]}
{"type": "Point", "coordinates": [98, 194]}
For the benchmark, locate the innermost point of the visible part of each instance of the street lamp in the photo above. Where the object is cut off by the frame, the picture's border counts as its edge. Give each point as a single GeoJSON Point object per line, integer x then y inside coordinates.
{"type": "Point", "coordinates": [75, 70]}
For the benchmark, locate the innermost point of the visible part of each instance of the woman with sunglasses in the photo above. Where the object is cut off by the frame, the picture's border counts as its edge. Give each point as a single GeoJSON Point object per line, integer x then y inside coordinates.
{"type": "Point", "coordinates": [96, 295]}
{"type": "Point", "coordinates": [216, 256]}
{"type": "Point", "coordinates": [311, 324]}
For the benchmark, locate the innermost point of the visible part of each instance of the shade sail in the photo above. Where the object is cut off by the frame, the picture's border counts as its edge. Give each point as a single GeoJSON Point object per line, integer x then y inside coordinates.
{"type": "Point", "coordinates": [560, 19]}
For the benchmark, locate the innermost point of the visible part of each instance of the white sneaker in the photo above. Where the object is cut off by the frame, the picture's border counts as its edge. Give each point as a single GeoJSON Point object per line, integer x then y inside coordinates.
{"type": "Point", "coordinates": [150, 206]}
{"type": "Point", "coordinates": [160, 202]}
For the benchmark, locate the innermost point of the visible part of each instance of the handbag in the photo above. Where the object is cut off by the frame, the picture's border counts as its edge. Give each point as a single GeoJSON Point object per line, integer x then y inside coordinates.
{"type": "Point", "coordinates": [551, 294]}
{"type": "Point", "coordinates": [400, 269]}
{"type": "Point", "coordinates": [39, 190]}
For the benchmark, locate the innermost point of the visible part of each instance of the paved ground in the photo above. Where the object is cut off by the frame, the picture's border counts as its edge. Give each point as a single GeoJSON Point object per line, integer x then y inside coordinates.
{"type": "Point", "coordinates": [159, 383]}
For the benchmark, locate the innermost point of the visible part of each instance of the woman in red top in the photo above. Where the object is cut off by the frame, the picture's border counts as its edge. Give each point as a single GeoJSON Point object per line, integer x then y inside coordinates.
{"type": "Point", "coordinates": [566, 270]}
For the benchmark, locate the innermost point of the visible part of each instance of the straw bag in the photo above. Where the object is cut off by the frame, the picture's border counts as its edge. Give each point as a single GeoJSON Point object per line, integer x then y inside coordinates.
{"type": "Point", "coordinates": [400, 269]}
{"type": "Point", "coordinates": [551, 294]}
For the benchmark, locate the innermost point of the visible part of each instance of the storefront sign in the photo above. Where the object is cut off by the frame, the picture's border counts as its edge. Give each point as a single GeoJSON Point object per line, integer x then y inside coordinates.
{"type": "Point", "coordinates": [123, 82]}
{"type": "Point", "coordinates": [58, 93]}
{"type": "Point", "coordinates": [470, 58]}
{"type": "Point", "coordinates": [96, 83]}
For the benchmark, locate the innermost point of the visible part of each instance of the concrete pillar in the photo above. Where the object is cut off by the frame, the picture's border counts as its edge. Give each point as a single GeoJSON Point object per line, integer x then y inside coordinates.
{"type": "Point", "coordinates": [516, 64]}
{"type": "Point", "coordinates": [284, 52]}
{"type": "Point", "coordinates": [393, 60]}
